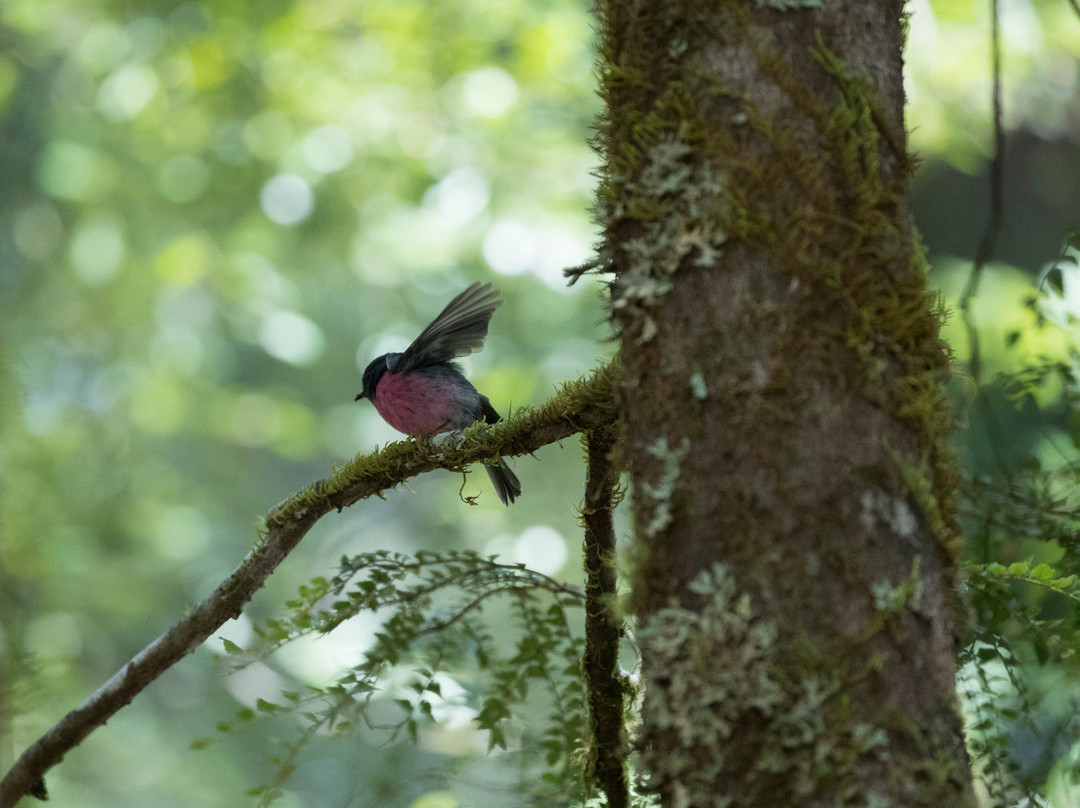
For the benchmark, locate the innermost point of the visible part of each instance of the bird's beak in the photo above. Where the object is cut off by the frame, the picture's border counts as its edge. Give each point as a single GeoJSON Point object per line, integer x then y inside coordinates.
{"type": "Point", "coordinates": [358, 396]}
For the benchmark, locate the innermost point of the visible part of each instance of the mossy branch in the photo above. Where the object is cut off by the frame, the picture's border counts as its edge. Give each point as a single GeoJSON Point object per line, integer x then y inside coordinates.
{"type": "Point", "coordinates": [585, 404]}
{"type": "Point", "coordinates": [602, 625]}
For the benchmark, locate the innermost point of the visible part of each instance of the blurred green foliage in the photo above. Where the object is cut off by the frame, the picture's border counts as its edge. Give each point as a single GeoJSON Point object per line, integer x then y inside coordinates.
{"type": "Point", "coordinates": [213, 214]}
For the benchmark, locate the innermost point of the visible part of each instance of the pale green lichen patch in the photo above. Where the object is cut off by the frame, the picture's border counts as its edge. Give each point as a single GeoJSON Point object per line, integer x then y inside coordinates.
{"type": "Point", "coordinates": [908, 593]}
{"type": "Point", "coordinates": [698, 388]}
{"type": "Point", "coordinates": [894, 512]}
{"type": "Point", "coordinates": [678, 203]}
{"type": "Point", "coordinates": [713, 673]}
{"type": "Point", "coordinates": [705, 669]}
{"type": "Point", "coordinates": [660, 493]}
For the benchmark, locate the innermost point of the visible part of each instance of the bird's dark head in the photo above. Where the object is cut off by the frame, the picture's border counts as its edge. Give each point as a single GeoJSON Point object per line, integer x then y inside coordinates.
{"type": "Point", "coordinates": [373, 372]}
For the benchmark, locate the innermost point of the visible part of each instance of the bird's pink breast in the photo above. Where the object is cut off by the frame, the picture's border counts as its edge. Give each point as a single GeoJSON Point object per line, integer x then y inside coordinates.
{"type": "Point", "coordinates": [416, 404]}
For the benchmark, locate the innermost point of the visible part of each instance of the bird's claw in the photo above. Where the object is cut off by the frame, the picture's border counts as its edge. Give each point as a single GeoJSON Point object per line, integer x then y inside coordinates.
{"type": "Point", "coordinates": [450, 439]}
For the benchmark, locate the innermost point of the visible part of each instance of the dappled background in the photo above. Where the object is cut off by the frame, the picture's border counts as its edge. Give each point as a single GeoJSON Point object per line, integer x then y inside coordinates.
{"type": "Point", "coordinates": [213, 215]}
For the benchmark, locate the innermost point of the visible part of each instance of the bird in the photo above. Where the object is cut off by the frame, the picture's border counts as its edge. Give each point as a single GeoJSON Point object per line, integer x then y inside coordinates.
{"type": "Point", "coordinates": [422, 391]}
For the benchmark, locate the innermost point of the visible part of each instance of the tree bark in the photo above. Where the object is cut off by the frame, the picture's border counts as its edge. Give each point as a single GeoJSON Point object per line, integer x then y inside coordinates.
{"type": "Point", "coordinates": [784, 411]}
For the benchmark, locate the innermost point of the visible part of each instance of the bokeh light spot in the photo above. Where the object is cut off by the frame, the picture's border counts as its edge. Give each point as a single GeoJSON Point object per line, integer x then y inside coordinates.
{"type": "Point", "coordinates": [103, 47]}
{"type": "Point", "coordinates": [124, 93]}
{"type": "Point", "coordinates": [489, 92]}
{"type": "Point", "coordinates": [182, 533]}
{"type": "Point", "coordinates": [436, 799]}
{"type": "Point", "coordinates": [328, 149]}
{"type": "Point", "coordinates": [268, 134]}
{"type": "Point", "coordinates": [509, 247]}
{"type": "Point", "coordinates": [287, 199]}
{"type": "Point", "coordinates": [421, 135]}
{"type": "Point", "coordinates": [97, 249]}
{"type": "Point", "coordinates": [54, 636]}
{"type": "Point", "coordinates": [210, 64]}
{"type": "Point", "coordinates": [459, 197]}
{"type": "Point", "coordinates": [186, 259]}
{"type": "Point", "coordinates": [75, 172]}
{"type": "Point", "coordinates": [541, 548]}
{"type": "Point", "coordinates": [291, 337]}
{"type": "Point", "coordinates": [282, 70]}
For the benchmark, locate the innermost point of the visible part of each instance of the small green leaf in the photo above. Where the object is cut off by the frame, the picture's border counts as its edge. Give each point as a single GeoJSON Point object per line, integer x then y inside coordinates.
{"type": "Point", "coordinates": [1043, 572]}
{"type": "Point", "coordinates": [496, 738]}
{"type": "Point", "coordinates": [231, 647]}
{"type": "Point", "coordinates": [1020, 568]}
{"type": "Point", "coordinates": [201, 743]}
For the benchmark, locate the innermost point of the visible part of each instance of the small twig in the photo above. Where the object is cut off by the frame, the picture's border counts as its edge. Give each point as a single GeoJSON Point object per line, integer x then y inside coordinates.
{"type": "Point", "coordinates": [602, 627]}
{"type": "Point", "coordinates": [587, 404]}
{"type": "Point", "coordinates": [574, 274]}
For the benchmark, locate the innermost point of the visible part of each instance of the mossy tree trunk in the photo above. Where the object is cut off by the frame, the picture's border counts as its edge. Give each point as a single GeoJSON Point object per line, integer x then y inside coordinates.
{"type": "Point", "coordinates": [784, 411]}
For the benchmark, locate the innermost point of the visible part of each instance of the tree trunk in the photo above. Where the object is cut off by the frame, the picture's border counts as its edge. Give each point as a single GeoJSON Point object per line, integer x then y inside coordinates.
{"type": "Point", "coordinates": [785, 417]}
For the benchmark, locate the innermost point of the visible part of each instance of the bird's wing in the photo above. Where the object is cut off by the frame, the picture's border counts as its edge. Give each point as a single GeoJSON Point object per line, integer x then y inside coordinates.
{"type": "Point", "coordinates": [458, 330]}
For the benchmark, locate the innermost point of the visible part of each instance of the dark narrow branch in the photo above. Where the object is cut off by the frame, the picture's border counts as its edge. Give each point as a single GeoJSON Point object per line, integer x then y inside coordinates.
{"type": "Point", "coordinates": [602, 629]}
{"type": "Point", "coordinates": [997, 167]}
{"type": "Point", "coordinates": [583, 405]}
{"type": "Point", "coordinates": [990, 235]}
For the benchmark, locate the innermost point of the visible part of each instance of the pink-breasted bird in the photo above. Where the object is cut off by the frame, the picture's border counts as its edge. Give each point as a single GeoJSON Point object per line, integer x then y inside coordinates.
{"type": "Point", "coordinates": [421, 391]}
